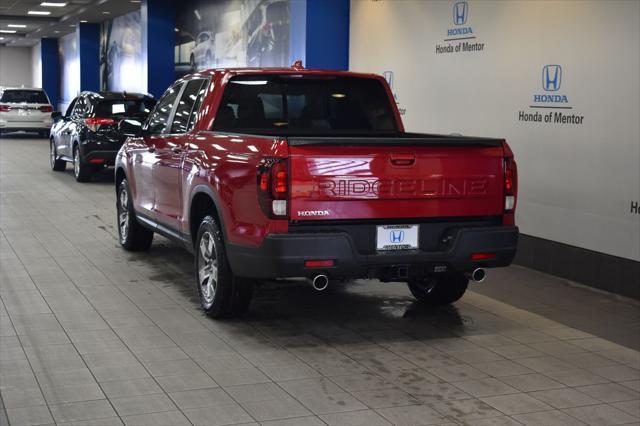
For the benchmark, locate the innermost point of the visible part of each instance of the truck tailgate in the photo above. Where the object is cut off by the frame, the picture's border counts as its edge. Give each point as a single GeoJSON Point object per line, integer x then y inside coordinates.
{"type": "Point", "coordinates": [392, 178]}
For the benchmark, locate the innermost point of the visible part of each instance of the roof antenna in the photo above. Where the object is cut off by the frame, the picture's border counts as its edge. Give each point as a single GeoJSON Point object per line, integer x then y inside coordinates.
{"type": "Point", "coordinates": [297, 65]}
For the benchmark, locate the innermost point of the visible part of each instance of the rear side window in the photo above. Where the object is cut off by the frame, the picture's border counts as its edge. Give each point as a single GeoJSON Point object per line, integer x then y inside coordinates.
{"type": "Point", "coordinates": [305, 105]}
{"type": "Point", "coordinates": [159, 118]}
{"type": "Point", "coordinates": [24, 96]}
{"type": "Point", "coordinates": [185, 106]}
{"type": "Point", "coordinates": [123, 108]}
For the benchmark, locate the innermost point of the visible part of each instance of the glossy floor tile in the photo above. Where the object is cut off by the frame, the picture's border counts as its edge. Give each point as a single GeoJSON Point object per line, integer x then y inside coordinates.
{"type": "Point", "coordinates": [91, 334]}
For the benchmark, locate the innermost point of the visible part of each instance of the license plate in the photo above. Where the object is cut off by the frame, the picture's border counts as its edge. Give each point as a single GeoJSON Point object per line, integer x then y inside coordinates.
{"type": "Point", "coordinates": [397, 237]}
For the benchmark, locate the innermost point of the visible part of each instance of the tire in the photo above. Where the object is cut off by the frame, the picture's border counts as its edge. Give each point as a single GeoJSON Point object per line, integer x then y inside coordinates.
{"type": "Point", "coordinates": [439, 290]}
{"type": "Point", "coordinates": [81, 170]}
{"type": "Point", "coordinates": [57, 165]}
{"type": "Point", "coordinates": [132, 235]}
{"type": "Point", "coordinates": [222, 294]}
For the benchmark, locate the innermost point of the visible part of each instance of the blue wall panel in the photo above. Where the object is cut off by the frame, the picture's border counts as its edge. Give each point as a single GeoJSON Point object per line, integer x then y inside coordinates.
{"type": "Point", "coordinates": [158, 19]}
{"type": "Point", "coordinates": [89, 49]}
{"type": "Point", "coordinates": [327, 34]}
{"type": "Point", "coordinates": [50, 63]}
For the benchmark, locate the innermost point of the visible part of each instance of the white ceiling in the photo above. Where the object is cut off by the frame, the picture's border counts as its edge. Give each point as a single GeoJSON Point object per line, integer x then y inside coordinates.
{"type": "Point", "coordinates": [61, 21]}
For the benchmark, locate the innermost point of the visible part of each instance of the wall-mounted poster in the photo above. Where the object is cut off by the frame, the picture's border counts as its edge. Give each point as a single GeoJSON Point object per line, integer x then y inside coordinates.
{"type": "Point", "coordinates": [232, 33]}
{"type": "Point", "coordinates": [69, 69]}
{"type": "Point", "coordinates": [121, 65]}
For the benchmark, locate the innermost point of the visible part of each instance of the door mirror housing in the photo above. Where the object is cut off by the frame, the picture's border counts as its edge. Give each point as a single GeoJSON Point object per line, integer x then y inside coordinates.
{"type": "Point", "coordinates": [129, 127]}
{"type": "Point", "coordinates": [56, 116]}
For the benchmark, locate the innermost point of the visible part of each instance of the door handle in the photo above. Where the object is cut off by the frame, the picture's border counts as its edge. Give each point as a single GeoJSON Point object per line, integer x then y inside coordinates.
{"type": "Point", "coordinates": [176, 149]}
{"type": "Point", "coordinates": [152, 148]}
{"type": "Point", "coordinates": [402, 159]}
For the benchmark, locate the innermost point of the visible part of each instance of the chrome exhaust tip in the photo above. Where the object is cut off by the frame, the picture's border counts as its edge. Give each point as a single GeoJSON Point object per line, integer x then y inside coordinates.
{"type": "Point", "coordinates": [319, 282]}
{"type": "Point", "coordinates": [478, 275]}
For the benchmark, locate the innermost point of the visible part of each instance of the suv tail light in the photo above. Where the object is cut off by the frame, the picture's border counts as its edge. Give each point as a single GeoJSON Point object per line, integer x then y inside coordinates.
{"type": "Point", "coordinates": [95, 123]}
{"type": "Point", "coordinates": [273, 187]}
{"type": "Point", "coordinates": [5, 108]}
{"type": "Point", "coordinates": [46, 108]}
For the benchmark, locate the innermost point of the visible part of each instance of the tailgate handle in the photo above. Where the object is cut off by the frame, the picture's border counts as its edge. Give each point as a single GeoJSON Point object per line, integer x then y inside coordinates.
{"type": "Point", "coordinates": [402, 160]}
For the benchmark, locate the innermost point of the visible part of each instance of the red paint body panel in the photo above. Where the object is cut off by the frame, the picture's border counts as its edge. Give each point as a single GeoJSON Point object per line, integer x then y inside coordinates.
{"type": "Point", "coordinates": [383, 182]}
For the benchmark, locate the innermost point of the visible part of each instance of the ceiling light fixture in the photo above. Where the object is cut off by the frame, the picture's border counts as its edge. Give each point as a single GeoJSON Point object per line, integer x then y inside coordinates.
{"type": "Point", "coordinates": [8, 31]}
{"type": "Point", "coordinates": [52, 4]}
{"type": "Point", "coordinates": [39, 12]}
{"type": "Point", "coordinates": [83, 21]}
{"type": "Point", "coordinates": [17, 26]}
{"type": "Point", "coordinates": [106, 13]}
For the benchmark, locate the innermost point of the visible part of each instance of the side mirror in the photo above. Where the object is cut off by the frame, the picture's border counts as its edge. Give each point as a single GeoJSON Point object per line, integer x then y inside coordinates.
{"type": "Point", "coordinates": [57, 116]}
{"type": "Point", "coordinates": [130, 127]}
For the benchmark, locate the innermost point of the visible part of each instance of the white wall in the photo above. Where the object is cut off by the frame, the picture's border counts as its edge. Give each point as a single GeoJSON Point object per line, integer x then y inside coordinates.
{"type": "Point", "coordinates": [577, 181]}
{"type": "Point", "coordinates": [15, 66]}
{"type": "Point", "coordinates": [36, 66]}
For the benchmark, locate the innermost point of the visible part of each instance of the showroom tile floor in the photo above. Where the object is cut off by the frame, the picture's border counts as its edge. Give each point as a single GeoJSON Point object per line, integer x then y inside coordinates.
{"type": "Point", "coordinates": [90, 334]}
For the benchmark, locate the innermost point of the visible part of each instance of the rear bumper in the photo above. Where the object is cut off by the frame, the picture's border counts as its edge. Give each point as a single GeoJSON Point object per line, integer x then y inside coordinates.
{"type": "Point", "coordinates": [283, 255]}
{"type": "Point", "coordinates": [100, 150]}
{"type": "Point", "coordinates": [27, 126]}
{"type": "Point", "coordinates": [101, 157]}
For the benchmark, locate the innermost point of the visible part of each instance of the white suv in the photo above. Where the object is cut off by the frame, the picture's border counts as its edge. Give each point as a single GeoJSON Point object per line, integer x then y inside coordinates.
{"type": "Point", "coordinates": [25, 109]}
{"type": "Point", "coordinates": [202, 55]}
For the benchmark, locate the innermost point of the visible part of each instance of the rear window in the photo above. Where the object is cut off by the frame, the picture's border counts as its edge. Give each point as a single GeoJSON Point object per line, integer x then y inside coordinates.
{"type": "Point", "coordinates": [26, 96]}
{"type": "Point", "coordinates": [124, 108]}
{"type": "Point", "coordinates": [305, 105]}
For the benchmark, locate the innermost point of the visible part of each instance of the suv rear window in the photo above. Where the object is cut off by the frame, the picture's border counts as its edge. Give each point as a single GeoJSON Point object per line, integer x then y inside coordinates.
{"type": "Point", "coordinates": [123, 107]}
{"type": "Point", "coordinates": [305, 105]}
{"type": "Point", "coordinates": [26, 96]}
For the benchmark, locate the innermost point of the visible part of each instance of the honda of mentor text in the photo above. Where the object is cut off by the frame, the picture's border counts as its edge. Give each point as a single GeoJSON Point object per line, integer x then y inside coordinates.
{"type": "Point", "coordinates": [290, 172]}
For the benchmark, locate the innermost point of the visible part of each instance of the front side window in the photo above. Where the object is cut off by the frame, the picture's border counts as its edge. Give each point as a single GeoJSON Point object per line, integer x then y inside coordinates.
{"type": "Point", "coordinates": [305, 105]}
{"type": "Point", "coordinates": [185, 106]}
{"type": "Point", "coordinates": [79, 108]}
{"type": "Point", "coordinates": [159, 118]}
{"type": "Point", "coordinates": [70, 108]}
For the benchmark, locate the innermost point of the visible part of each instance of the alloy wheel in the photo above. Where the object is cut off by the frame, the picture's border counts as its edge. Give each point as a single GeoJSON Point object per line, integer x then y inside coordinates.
{"type": "Point", "coordinates": [123, 215]}
{"type": "Point", "coordinates": [207, 268]}
{"type": "Point", "coordinates": [76, 162]}
{"type": "Point", "coordinates": [53, 154]}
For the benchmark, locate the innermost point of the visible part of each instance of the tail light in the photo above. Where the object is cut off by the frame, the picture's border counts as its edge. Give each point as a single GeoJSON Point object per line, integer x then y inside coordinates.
{"type": "Point", "coordinates": [5, 108]}
{"type": "Point", "coordinates": [510, 184]}
{"type": "Point", "coordinates": [273, 187]}
{"type": "Point", "coordinates": [46, 108]}
{"type": "Point", "coordinates": [95, 123]}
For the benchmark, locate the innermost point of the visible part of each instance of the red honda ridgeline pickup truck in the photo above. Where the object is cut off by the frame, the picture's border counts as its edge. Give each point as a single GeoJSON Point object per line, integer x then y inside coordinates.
{"type": "Point", "coordinates": [275, 173]}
